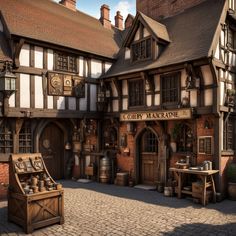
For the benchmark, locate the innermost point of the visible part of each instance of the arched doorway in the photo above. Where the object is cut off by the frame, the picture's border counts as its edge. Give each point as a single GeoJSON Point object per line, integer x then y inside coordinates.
{"type": "Point", "coordinates": [51, 145]}
{"type": "Point", "coordinates": [147, 144]}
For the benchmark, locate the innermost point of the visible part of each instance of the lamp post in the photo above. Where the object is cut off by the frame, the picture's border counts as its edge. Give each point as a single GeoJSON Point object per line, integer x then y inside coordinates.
{"type": "Point", "coordinates": [7, 84]}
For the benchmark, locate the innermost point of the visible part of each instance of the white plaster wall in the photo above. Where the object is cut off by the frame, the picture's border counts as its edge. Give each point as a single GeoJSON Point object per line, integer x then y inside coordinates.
{"type": "Point", "coordinates": [222, 93]}
{"type": "Point", "coordinates": [81, 66]}
{"type": "Point", "coordinates": [207, 75]}
{"type": "Point", "coordinates": [72, 103]}
{"type": "Point", "coordinates": [107, 66]}
{"type": "Point", "coordinates": [12, 100]}
{"type": "Point", "coordinates": [125, 104]}
{"type": "Point", "coordinates": [50, 102]}
{"type": "Point", "coordinates": [93, 97]}
{"type": "Point", "coordinates": [61, 103]}
{"type": "Point", "coordinates": [83, 101]}
{"type": "Point", "coordinates": [38, 57]}
{"type": "Point", "coordinates": [25, 55]}
{"type": "Point", "coordinates": [124, 87]}
{"type": "Point", "coordinates": [145, 32]}
{"type": "Point", "coordinates": [1, 26]}
{"type": "Point", "coordinates": [184, 93]}
{"type": "Point", "coordinates": [208, 97]}
{"type": "Point", "coordinates": [127, 53]}
{"type": "Point", "coordinates": [157, 82]}
{"type": "Point", "coordinates": [183, 77]}
{"type": "Point", "coordinates": [217, 52]}
{"type": "Point", "coordinates": [193, 98]}
{"type": "Point", "coordinates": [232, 4]}
{"type": "Point", "coordinates": [115, 104]}
{"type": "Point", "coordinates": [157, 100]}
{"type": "Point", "coordinates": [96, 68]}
{"type": "Point", "coordinates": [50, 59]}
{"type": "Point", "coordinates": [149, 100]}
{"type": "Point", "coordinates": [24, 91]}
{"type": "Point", "coordinates": [114, 91]}
{"type": "Point", "coordinates": [38, 91]}
{"type": "Point", "coordinates": [136, 37]}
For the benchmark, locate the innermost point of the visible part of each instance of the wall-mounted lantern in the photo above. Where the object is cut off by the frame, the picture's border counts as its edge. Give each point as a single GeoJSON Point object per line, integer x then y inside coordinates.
{"type": "Point", "coordinates": [103, 95]}
{"type": "Point", "coordinates": [7, 80]}
{"type": "Point", "coordinates": [192, 82]}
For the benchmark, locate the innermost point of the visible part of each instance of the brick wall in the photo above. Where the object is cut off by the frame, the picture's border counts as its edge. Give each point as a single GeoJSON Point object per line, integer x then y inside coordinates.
{"type": "Point", "coordinates": [158, 9]}
{"type": "Point", "coordinates": [4, 180]}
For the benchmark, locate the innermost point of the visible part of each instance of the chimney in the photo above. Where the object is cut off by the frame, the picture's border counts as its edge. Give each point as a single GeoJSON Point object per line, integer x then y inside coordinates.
{"type": "Point", "coordinates": [71, 4]}
{"type": "Point", "coordinates": [105, 16]}
{"type": "Point", "coordinates": [119, 21]}
{"type": "Point", "coordinates": [129, 21]}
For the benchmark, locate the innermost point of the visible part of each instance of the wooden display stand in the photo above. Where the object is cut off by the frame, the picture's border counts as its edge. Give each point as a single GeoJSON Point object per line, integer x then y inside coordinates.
{"type": "Point", "coordinates": [197, 192]}
{"type": "Point", "coordinates": [34, 199]}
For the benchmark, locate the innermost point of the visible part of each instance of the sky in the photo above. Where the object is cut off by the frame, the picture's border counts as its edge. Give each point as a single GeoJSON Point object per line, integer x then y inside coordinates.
{"type": "Point", "coordinates": [92, 7]}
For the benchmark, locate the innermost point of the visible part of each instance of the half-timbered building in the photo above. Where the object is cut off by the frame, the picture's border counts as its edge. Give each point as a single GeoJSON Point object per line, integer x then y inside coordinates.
{"type": "Point", "coordinates": [159, 91]}
{"type": "Point", "coordinates": [172, 88]}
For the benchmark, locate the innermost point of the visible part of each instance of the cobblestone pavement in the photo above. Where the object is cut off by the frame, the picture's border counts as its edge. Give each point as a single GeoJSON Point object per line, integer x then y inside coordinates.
{"type": "Point", "coordinates": [100, 209]}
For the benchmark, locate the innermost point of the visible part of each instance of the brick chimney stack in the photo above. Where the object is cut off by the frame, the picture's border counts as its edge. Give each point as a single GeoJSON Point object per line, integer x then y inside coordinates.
{"type": "Point", "coordinates": [105, 16]}
{"type": "Point", "coordinates": [129, 21]}
{"type": "Point", "coordinates": [119, 21]}
{"type": "Point", "coordinates": [159, 9]}
{"type": "Point", "coordinates": [71, 4]}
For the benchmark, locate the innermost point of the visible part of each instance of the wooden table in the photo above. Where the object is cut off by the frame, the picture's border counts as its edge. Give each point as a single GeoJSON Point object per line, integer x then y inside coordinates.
{"type": "Point", "coordinates": [205, 176]}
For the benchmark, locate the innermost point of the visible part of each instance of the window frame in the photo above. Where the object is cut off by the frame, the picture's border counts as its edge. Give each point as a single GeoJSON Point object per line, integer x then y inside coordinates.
{"type": "Point", "coordinates": [204, 138]}
{"type": "Point", "coordinates": [25, 137]}
{"type": "Point", "coordinates": [6, 143]}
{"type": "Point", "coordinates": [134, 81]}
{"type": "Point", "coordinates": [68, 57]}
{"type": "Point", "coordinates": [177, 76]}
{"type": "Point", "coordinates": [139, 42]}
{"type": "Point", "coordinates": [228, 146]}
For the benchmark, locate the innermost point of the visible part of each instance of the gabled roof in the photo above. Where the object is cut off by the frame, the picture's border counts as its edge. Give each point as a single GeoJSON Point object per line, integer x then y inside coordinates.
{"type": "Point", "coordinates": [156, 29]}
{"type": "Point", "coordinates": [191, 32]}
{"type": "Point", "coordinates": [51, 22]}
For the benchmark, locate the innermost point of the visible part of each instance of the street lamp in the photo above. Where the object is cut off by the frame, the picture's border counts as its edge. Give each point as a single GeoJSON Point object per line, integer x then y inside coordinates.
{"type": "Point", "coordinates": [7, 84]}
{"type": "Point", "coordinates": [7, 80]}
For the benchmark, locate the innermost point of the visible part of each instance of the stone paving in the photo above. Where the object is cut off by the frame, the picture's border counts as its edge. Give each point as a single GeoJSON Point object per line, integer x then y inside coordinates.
{"type": "Point", "coordinates": [99, 209]}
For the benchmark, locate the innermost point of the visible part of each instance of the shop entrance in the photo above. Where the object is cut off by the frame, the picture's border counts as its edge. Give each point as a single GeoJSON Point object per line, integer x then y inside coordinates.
{"type": "Point", "coordinates": [51, 145]}
{"type": "Point", "coordinates": [148, 164]}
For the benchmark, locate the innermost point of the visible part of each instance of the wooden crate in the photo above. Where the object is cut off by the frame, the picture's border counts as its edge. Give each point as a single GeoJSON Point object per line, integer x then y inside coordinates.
{"type": "Point", "coordinates": [197, 190]}
{"type": "Point", "coordinates": [90, 170]}
{"type": "Point", "coordinates": [38, 209]}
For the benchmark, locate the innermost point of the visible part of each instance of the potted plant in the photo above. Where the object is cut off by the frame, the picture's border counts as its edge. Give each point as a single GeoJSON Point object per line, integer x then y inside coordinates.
{"type": "Point", "coordinates": [231, 176]}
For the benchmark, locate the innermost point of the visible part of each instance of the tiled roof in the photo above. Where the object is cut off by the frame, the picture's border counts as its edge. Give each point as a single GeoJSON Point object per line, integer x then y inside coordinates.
{"type": "Point", "coordinates": [191, 33]}
{"type": "Point", "coordinates": [51, 22]}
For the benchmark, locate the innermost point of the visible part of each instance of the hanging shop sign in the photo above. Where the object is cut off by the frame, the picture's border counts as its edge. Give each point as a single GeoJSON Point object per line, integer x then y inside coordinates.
{"type": "Point", "coordinates": [157, 115]}
{"type": "Point", "coordinates": [66, 85]}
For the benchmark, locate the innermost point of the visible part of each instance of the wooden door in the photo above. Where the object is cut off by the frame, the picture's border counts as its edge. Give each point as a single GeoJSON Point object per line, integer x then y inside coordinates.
{"type": "Point", "coordinates": [149, 158]}
{"type": "Point", "coordinates": [51, 145]}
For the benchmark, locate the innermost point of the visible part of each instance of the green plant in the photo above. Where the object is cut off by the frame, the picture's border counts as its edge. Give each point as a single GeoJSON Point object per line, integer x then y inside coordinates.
{"type": "Point", "coordinates": [231, 92]}
{"type": "Point", "coordinates": [231, 172]}
{"type": "Point", "coordinates": [175, 132]}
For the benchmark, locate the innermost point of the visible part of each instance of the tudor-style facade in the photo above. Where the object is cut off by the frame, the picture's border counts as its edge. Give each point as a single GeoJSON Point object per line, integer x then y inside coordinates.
{"type": "Point", "coordinates": [57, 57]}
{"type": "Point", "coordinates": [152, 94]}
{"type": "Point", "coordinates": [171, 90]}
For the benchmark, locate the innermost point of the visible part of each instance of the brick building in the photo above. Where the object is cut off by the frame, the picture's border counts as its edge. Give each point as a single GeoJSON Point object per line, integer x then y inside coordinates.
{"type": "Point", "coordinates": [152, 93]}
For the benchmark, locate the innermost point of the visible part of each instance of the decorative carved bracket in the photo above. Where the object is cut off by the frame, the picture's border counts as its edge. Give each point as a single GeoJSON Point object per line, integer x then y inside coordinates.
{"type": "Point", "coordinates": [117, 86]}
{"type": "Point", "coordinates": [19, 123]}
{"type": "Point", "coordinates": [18, 48]}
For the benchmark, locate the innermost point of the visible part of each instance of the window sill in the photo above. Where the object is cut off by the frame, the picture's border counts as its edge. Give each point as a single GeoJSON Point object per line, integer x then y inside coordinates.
{"type": "Point", "coordinates": [227, 153]}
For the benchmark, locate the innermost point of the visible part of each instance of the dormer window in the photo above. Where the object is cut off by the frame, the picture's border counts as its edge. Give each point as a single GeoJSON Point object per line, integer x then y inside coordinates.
{"type": "Point", "coordinates": [141, 50]}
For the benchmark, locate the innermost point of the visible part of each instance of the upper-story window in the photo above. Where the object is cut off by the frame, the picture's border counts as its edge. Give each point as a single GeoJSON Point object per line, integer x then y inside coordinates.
{"type": "Point", "coordinates": [141, 50]}
{"type": "Point", "coordinates": [64, 62]}
{"type": "Point", "coordinates": [25, 144]}
{"type": "Point", "coordinates": [170, 88]}
{"type": "Point", "coordinates": [136, 92]}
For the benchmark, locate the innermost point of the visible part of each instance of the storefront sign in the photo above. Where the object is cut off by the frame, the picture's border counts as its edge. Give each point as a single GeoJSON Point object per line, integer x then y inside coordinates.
{"type": "Point", "coordinates": [157, 115]}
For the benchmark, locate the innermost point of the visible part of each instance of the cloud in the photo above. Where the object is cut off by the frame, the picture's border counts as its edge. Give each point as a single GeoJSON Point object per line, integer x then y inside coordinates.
{"type": "Point", "coordinates": [125, 7]}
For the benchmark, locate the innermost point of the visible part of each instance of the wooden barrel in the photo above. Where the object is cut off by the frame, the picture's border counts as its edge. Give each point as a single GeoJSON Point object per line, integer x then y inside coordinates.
{"type": "Point", "coordinates": [122, 179]}
{"type": "Point", "coordinates": [105, 170]}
